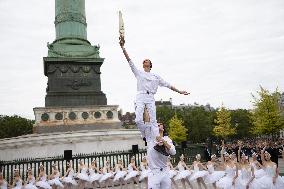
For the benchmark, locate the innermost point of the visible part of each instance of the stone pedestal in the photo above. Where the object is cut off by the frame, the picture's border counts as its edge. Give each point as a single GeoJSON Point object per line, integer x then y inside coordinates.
{"type": "Point", "coordinates": [73, 81]}
{"type": "Point", "coordinates": [63, 119]}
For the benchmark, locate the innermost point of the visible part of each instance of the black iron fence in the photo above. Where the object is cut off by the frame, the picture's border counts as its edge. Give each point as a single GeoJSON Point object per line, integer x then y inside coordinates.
{"type": "Point", "coordinates": [7, 167]}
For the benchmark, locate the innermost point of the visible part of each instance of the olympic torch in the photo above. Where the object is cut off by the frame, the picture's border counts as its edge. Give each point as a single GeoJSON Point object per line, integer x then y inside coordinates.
{"type": "Point", "coordinates": [121, 29]}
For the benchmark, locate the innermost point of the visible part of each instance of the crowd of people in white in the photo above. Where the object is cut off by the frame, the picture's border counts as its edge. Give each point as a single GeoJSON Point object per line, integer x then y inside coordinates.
{"type": "Point", "coordinates": [87, 176]}
{"type": "Point", "coordinates": [230, 171]}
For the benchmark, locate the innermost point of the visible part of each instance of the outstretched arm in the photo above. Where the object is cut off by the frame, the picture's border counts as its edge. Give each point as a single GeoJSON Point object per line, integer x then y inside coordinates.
{"type": "Point", "coordinates": [132, 66]}
{"type": "Point", "coordinates": [239, 150]}
{"type": "Point", "coordinates": [121, 43]}
{"type": "Point", "coordinates": [223, 151]}
{"type": "Point", "coordinates": [262, 155]}
{"type": "Point", "coordinates": [178, 91]}
{"type": "Point", "coordinates": [163, 83]}
{"type": "Point", "coordinates": [251, 179]}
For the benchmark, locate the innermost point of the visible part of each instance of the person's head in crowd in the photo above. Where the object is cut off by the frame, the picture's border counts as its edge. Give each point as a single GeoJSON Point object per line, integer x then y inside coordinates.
{"type": "Point", "coordinates": [254, 156]}
{"type": "Point", "coordinates": [29, 171]}
{"type": "Point", "coordinates": [119, 161]}
{"type": "Point", "coordinates": [144, 159]}
{"type": "Point", "coordinates": [132, 160]}
{"type": "Point", "coordinates": [181, 157]}
{"type": "Point", "coordinates": [244, 158]}
{"type": "Point", "coordinates": [16, 173]}
{"type": "Point", "coordinates": [198, 157]}
{"type": "Point", "coordinates": [213, 158]}
{"type": "Point", "coordinates": [233, 156]}
{"type": "Point", "coordinates": [267, 156]}
{"type": "Point", "coordinates": [107, 163]}
{"type": "Point", "coordinates": [94, 163]}
{"type": "Point", "coordinates": [226, 157]}
{"type": "Point", "coordinates": [68, 165]}
{"type": "Point", "coordinates": [41, 167]}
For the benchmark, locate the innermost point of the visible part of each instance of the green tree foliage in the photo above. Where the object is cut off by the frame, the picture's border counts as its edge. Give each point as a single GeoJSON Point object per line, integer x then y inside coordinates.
{"type": "Point", "coordinates": [267, 116]}
{"type": "Point", "coordinates": [199, 122]}
{"type": "Point", "coordinates": [12, 126]}
{"type": "Point", "coordinates": [177, 131]}
{"type": "Point", "coordinates": [164, 114]}
{"type": "Point", "coordinates": [197, 119]}
{"type": "Point", "coordinates": [223, 126]}
{"type": "Point", "coordinates": [240, 118]}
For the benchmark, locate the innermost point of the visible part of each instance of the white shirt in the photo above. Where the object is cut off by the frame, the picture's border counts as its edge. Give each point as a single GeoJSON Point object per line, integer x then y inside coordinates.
{"type": "Point", "coordinates": [156, 160]}
{"type": "Point", "coordinates": [147, 81]}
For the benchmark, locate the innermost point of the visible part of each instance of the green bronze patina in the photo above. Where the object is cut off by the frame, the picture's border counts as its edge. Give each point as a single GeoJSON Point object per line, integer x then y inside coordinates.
{"type": "Point", "coordinates": [73, 64]}
{"type": "Point", "coordinates": [71, 31]}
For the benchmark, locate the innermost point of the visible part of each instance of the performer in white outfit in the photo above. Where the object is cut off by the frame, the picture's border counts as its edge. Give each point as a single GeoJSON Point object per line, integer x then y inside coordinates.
{"type": "Point", "coordinates": [17, 182]}
{"type": "Point", "coordinates": [82, 175]}
{"type": "Point", "coordinates": [107, 175]}
{"type": "Point", "coordinates": [30, 183]}
{"type": "Point", "coordinates": [183, 173]}
{"type": "Point", "coordinates": [234, 158]}
{"type": "Point", "coordinates": [158, 178]}
{"type": "Point", "coordinates": [68, 178]}
{"type": "Point", "coordinates": [42, 179]}
{"type": "Point", "coordinates": [231, 170]}
{"type": "Point", "coordinates": [120, 173]}
{"type": "Point", "coordinates": [132, 172]}
{"type": "Point", "coordinates": [147, 85]}
{"type": "Point", "coordinates": [144, 171]}
{"type": "Point", "coordinates": [54, 178]}
{"type": "Point", "coordinates": [213, 175]}
{"type": "Point", "coordinates": [198, 174]}
{"type": "Point", "coordinates": [95, 174]}
{"type": "Point", "coordinates": [172, 172]}
{"type": "Point", "coordinates": [271, 179]}
{"type": "Point", "coordinates": [257, 167]}
{"type": "Point", "coordinates": [3, 182]}
{"type": "Point", "coordinates": [246, 178]}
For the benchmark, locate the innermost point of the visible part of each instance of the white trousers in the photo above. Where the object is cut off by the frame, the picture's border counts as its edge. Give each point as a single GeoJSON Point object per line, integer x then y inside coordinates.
{"type": "Point", "coordinates": [159, 179]}
{"type": "Point", "coordinates": [147, 100]}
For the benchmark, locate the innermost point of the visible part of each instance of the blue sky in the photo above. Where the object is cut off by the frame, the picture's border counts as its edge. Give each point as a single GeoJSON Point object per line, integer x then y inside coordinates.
{"type": "Point", "coordinates": [220, 51]}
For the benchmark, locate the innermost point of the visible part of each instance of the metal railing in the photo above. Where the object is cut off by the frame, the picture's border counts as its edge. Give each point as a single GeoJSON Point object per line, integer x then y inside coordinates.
{"type": "Point", "coordinates": [7, 167]}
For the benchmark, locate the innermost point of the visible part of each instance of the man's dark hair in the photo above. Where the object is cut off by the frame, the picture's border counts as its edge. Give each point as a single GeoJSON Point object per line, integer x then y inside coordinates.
{"type": "Point", "coordinates": [149, 61]}
{"type": "Point", "coordinates": [165, 133]}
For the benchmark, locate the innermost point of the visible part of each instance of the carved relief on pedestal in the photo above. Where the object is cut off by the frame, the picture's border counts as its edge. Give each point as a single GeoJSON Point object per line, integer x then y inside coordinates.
{"type": "Point", "coordinates": [82, 115]}
{"type": "Point", "coordinates": [73, 68]}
